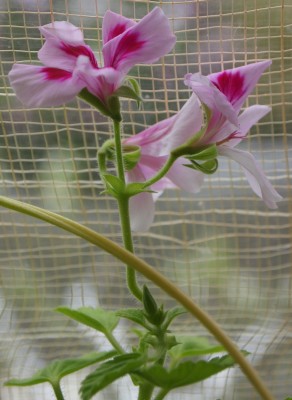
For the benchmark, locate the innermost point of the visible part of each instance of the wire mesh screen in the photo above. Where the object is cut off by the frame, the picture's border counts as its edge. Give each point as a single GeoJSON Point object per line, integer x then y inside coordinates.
{"type": "Point", "coordinates": [222, 246]}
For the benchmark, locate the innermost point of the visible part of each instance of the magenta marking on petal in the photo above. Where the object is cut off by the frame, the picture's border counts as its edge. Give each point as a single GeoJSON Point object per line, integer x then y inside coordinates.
{"type": "Point", "coordinates": [129, 43]}
{"type": "Point", "coordinates": [231, 84]}
{"type": "Point", "coordinates": [116, 31]}
{"type": "Point", "coordinates": [56, 74]}
{"type": "Point", "coordinates": [77, 51]}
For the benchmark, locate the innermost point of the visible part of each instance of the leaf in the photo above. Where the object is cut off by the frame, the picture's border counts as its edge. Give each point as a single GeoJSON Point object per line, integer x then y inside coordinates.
{"type": "Point", "coordinates": [172, 314]}
{"type": "Point", "coordinates": [186, 373]}
{"type": "Point", "coordinates": [133, 314]}
{"type": "Point", "coordinates": [56, 370]}
{"type": "Point", "coordinates": [108, 372]}
{"type": "Point", "coordinates": [97, 318]}
{"type": "Point", "coordinates": [205, 153]}
{"type": "Point", "coordinates": [192, 346]}
{"type": "Point", "coordinates": [207, 167]}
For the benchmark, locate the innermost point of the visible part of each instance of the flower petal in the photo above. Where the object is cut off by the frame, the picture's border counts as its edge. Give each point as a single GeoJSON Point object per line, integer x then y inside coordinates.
{"type": "Point", "coordinates": [42, 86]}
{"type": "Point", "coordinates": [113, 25]}
{"type": "Point", "coordinates": [238, 83]}
{"type": "Point", "coordinates": [247, 119]}
{"type": "Point", "coordinates": [141, 209]}
{"type": "Point", "coordinates": [214, 99]}
{"type": "Point", "coordinates": [141, 206]}
{"type": "Point", "coordinates": [185, 178]}
{"type": "Point", "coordinates": [144, 42]}
{"type": "Point", "coordinates": [64, 44]}
{"type": "Point", "coordinates": [101, 82]}
{"type": "Point", "coordinates": [254, 174]}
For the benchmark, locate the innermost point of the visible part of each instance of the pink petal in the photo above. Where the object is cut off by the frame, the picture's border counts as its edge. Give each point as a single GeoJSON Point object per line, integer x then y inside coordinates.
{"type": "Point", "coordinates": [188, 121]}
{"type": "Point", "coordinates": [185, 178]}
{"type": "Point", "coordinates": [113, 25]}
{"type": "Point", "coordinates": [64, 44]}
{"type": "Point", "coordinates": [145, 42]}
{"type": "Point", "coordinates": [101, 82]}
{"type": "Point", "coordinates": [247, 119]}
{"type": "Point", "coordinates": [141, 209]}
{"type": "Point", "coordinates": [151, 139]}
{"type": "Point", "coordinates": [254, 174]}
{"type": "Point", "coordinates": [214, 99]}
{"type": "Point", "coordinates": [238, 83]}
{"type": "Point", "coordinates": [141, 206]}
{"type": "Point", "coordinates": [42, 86]}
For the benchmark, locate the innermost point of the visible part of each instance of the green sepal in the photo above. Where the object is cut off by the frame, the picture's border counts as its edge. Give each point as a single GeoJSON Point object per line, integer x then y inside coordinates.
{"type": "Point", "coordinates": [186, 373]}
{"type": "Point", "coordinates": [204, 153]}
{"type": "Point", "coordinates": [137, 187]}
{"type": "Point", "coordinates": [114, 185]}
{"type": "Point", "coordinates": [131, 156]}
{"type": "Point", "coordinates": [101, 320]}
{"type": "Point", "coordinates": [112, 109]}
{"type": "Point", "coordinates": [110, 371]}
{"type": "Point", "coordinates": [207, 167]}
{"type": "Point", "coordinates": [192, 346]}
{"type": "Point", "coordinates": [128, 93]}
{"type": "Point", "coordinates": [56, 370]}
{"type": "Point", "coordinates": [171, 314]}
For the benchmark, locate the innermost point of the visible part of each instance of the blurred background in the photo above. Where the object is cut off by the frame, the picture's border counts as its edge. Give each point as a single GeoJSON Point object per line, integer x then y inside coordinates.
{"type": "Point", "coordinates": [223, 246]}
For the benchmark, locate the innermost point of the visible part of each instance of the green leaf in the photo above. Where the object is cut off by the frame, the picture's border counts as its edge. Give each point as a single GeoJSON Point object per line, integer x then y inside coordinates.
{"type": "Point", "coordinates": [133, 314]}
{"type": "Point", "coordinates": [101, 320]}
{"type": "Point", "coordinates": [136, 187]}
{"type": "Point", "coordinates": [171, 314]}
{"type": "Point", "coordinates": [108, 372]}
{"type": "Point", "coordinates": [192, 346]}
{"type": "Point", "coordinates": [186, 373]}
{"type": "Point", "coordinates": [56, 370]}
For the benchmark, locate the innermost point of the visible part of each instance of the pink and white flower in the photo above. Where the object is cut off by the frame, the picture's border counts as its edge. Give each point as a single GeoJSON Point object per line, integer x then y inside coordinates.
{"type": "Point", "coordinates": [69, 65]}
{"type": "Point", "coordinates": [224, 94]}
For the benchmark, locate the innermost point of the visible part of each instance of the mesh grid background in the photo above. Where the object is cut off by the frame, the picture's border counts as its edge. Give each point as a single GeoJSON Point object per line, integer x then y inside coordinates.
{"type": "Point", "coordinates": [222, 246]}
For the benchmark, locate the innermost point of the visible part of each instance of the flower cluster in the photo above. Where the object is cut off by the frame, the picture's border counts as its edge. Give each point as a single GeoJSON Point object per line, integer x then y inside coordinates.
{"type": "Point", "coordinates": [69, 66]}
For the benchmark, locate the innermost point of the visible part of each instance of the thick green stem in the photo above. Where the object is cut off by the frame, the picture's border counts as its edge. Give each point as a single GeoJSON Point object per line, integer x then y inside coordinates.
{"type": "Point", "coordinates": [150, 273]}
{"type": "Point", "coordinates": [145, 391]}
{"type": "Point", "coordinates": [123, 202]}
{"type": "Point", "coordinates": [58, 391]}
{"type": "Point", "coordinates": [119, 151]}
{"type": "Point", "coordinates": [161, 394]}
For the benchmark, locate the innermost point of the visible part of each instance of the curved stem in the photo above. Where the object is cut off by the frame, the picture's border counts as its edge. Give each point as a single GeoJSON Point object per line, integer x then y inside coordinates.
{"type": "Point", "coordinates": [152, 274]}
{"type": "Point", "coordinates": [123, 202]}
{"type": "Point", "coordinates": [145, 391]}
{"type": "Point", "coordinates": [113, 341]}
{"type": "Point", "coordinates": [160, 174]}
{"type": "Point", "coordinates": [161, 394]}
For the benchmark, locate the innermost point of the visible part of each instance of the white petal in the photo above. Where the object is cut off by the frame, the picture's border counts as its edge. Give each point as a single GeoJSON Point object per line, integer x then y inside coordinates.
{"type": "Point", "coordinates": [185, 178]}
{"type": "Point", "coordinates": [141, 211]}
{"type": "Point", "coordinates": [254, 174]}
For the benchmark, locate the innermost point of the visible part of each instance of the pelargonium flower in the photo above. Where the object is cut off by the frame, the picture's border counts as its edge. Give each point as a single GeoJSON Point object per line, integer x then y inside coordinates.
{"type": "Point", "coordinates": [224, 94]}
{"type": "Point", "coordinates": [69, 65]}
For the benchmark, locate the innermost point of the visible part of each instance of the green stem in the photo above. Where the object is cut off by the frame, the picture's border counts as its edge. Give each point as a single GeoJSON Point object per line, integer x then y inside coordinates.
{"type": "Point", "coordinates": [162, 172]}
{"type": "Point", "coordinates": [113, 341]}
{"type": "Point", "coordinates": [150, 273]}
{"type": "Point", "coordinates": [123, 202]}
{"type": "Point", "coordinates": [119, 151]}
{"type": "Point", "coordinates": [58, 391]}
{"type": "Point", "coordinates": [161, 394]}
{"type": "Point", "coordinates": [145, 391]}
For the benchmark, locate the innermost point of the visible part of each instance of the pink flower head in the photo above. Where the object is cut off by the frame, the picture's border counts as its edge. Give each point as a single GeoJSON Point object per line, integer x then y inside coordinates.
{"type": "Point", "coordinates": [224, 94]}
{"type": "Point", "coordinates": [69, 65]}
{"type": "Point", "coordinates": [155, 144]}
